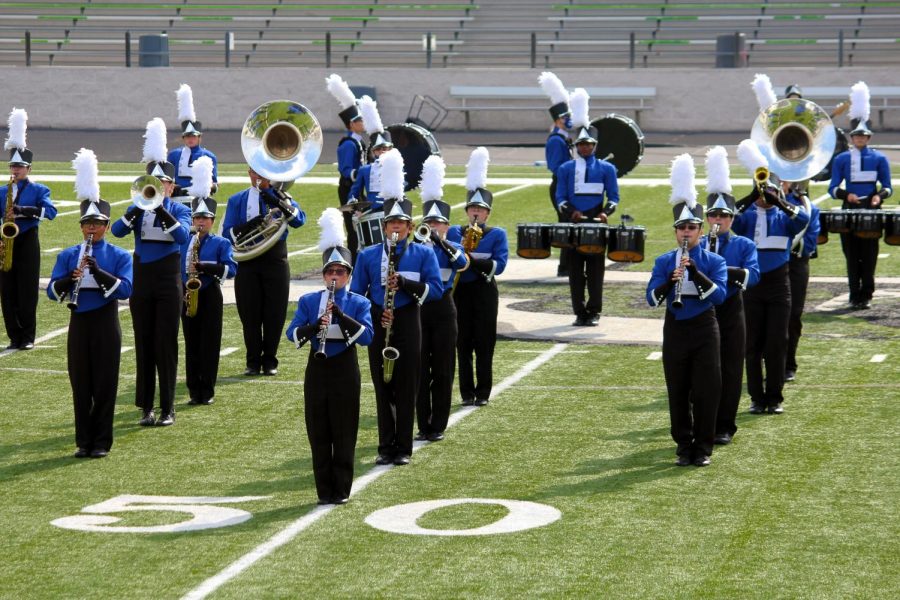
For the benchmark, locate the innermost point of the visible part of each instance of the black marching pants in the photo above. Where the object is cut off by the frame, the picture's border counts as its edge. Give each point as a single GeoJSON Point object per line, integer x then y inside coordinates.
{"type": "Point", "coordinates": [203, 342]}
{"type": "Point", "coordinates": [862, 258]}
{"type": "Point", "coordinates": [590, 269]}
{"type": "Point", "coordinates": [261, 289]}
{"type": "Point", "coordinates": [767, 310]}
{"type": "Point", "coordinates": [438, 364]}
{"type": "Point", "coordinates": [344, 185]}
{"type": "Point", "coordinates": [94, 347]}
{"type": "Point", "coordinates": [331, 403]}
{"type": "Point", "coordinates": [693, 381]}
{"type": "Point", "coordinates": [395, 401]}
{"type": "Point", "coordinates": [564, 253]}
{"type": "Point", "coordinates": [799, 275]}
{"type": "Point", "coordinates": [155, 309]}
{"type": "Point", "coordinates": [476, 316]}
{"type": "Point", "coordinates": [19, 288]}
{"type": "Point", "coordinates": [733, 347]}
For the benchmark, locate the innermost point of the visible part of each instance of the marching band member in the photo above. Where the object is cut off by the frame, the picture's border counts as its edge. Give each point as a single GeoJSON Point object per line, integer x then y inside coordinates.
{"type": "Point", "coordinates": [367, 186]}
{"type": "Point", "coordinates": [191, 134]}
{"type": "Point", "coordinates": [803, 248]}
{"type": "Point", "coordinates": [92, 276]}
{"type": "Point", "coordinates": [558, 149]}
{"type": "Point", "coordinates": [861, 169]}
{"type": "Point", "coordinates": [691, 281]}
{"type": "Point", "coordinates": [208, 261]}
{"type": "Point", "coordinates": [262, 284]}
{"type": "Point", "coordinates": [476, 296]}
{"type": "Point", "coordinates": [351, 150]}
{"type": "Point", "coordinates": [743, 272]}
{"type": "Point", "coordinates": [771, 223]}
{"type": "Point", "coordinates": [582, 184]}
{"type": "Point", "coordinates": [439, 327]}
{"type": "Point", "coordinates": [156, 299]}
{"type": "Point", "coordinates": [30, 203]}
{"type": "Point", "coordinates": [334, 321]}
{"type": "Point", "coordinates": [410, 272]}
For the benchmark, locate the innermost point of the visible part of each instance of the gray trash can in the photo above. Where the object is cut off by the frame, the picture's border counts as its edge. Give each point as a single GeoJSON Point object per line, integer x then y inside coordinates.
{"type": "Point", "coordinates": [153, 51]}
{"type": "Point", "coordinates": [731, 51]}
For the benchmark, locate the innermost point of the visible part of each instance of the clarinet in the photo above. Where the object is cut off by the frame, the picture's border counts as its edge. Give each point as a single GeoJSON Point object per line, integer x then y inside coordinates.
{"type": "Point", "coordinates": [389, 354]}
{"type": "Point", "coordinates": [86, 248]}
{"type": "Point", "coordinates": [677, 302]}
{"type": "Point", "coordinates": [714, 238]}
{"type": "Point", "coordinates": [323, 330]}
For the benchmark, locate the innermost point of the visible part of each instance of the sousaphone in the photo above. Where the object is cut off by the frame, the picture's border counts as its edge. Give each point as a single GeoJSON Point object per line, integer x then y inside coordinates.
{"type": "Point", "coordinates": [796, 136]}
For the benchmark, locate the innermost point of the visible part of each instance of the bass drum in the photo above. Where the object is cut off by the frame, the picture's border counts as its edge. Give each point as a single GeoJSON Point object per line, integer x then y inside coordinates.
{"type": "Point", "coordinates": [415, 144]}
{"type": "Point", "coordinates": [840, 145]}
{"type": "Point", "coordinates": [619, 141]}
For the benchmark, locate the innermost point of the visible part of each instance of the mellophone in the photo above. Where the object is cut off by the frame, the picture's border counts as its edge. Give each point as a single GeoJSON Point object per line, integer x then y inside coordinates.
{"type": "Point", "coordinates": [621, 243]}
{"type": "Point", "coordinates": [863, 223]}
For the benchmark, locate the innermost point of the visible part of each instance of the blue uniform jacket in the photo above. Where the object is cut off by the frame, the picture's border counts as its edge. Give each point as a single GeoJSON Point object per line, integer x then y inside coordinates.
{"type": "Point", "coordinates": [740, 253]}
{"type": "Point", "coordinates": [596, 178]}
{"type": "Point", "coordinates": [150, 250]}
{"type": "Point", "coordinates": [236, 214]}
{"type": "Point", "coordinates": [860, 170]}
{"type": "Point", "coordinates": [493, 246]}
{"type": "Point", "coordinates": [30, 194]}
{"type": "Point", "coordinates": [711, 265]}
{"type": "Point", "coordinates": [310, 309]}
{"type": "Point", "coordinates": [417, 262]}
{"type": "Point", "coordinates": [557, 149]}
{"type": "Point", "coordinates": [112, 259]}
{"type": "Point", "coordinates": [182, 178]}
{"type": "Point", "coordinates": [364, 182]}
{"type": "Point", "coordinates": [448, 269]}
{"type": "Point", "coordinates": [214, 249]}
{"type": "Point", "coordinates": [349, 155]}
{"type": "Point", "coordinates": [773, 245]}
{"type": "Point", "coordinates": [808, 243]}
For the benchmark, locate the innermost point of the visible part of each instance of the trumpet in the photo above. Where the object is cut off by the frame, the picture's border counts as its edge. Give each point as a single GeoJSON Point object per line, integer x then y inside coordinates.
{"type": "Point", "coordinates": [8, 230]}
{"type": "Point", "coordinates": [761, 177]}
{"type": "Point", "coordinates": [714, 238]}
{"type": "Point", "coordinates": [389, 354]}
{"type": "Point", "coordinates": [323, 330]}
{"type": "Point", "coordinates": [86, 250]}
{"type": "Point", "coordinates": [677, 302]}
{"type": "Point", "coordinates": [193, 284]}
{"type": "Point", "coordinates": [423, 233]}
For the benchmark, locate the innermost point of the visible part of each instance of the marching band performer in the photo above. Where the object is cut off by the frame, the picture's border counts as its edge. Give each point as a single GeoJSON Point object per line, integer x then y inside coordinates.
{"type": "Point", "coordinates": [476, 296]}
{"type": "Point", "coordinates": [351, 150]}
{"type": "Point", "coordinates": [367, 186]}
{"type": "Point", "coordinates": [439, 327]}
{"type": "Point", "coordinates": [558, 149]}
{"type": "Point", "coordinates": [862, 170]}
{"type": "Point", "coordinates": [208, 261]}
{"type": "Point", "coordinates": [582, 184]}
{"type": "Point", "coordinates": [92, 276]}
{"type": "Point", "coordinates": [398, 278]}
{"type": "Point", "coordinates": [771, 223]}
{"type": "Point", "coordinates": [743, 272]}
{"type": "Point", "coordinates": [334, 321]}
{"type": "Point", "coordinates": [803, 248]}
{"type": "Point", "coordinates": [30, 203]}
{"type": "Point", "coordinates": [262, 284]}
{"type": "Point", "coordinates": [156, 299]}
{"type": "Point", "coordinates": [691, 281]}
{"type": "Point", "coordinates": [191, 134]}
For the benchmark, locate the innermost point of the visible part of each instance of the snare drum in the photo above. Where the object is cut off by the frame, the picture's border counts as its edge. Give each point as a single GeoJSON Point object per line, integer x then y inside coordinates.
{"type": "Point", "coordinates": [866, 223]}
{"type": "Point", "coordinates": [533, 240]}
{"type": "Point", "coordinates": [822, 237]}
{"type": "Point", "coordinates": [370, 229]}
{"type": "Point", "coordinates": [892, 228]}
{"type": "Point", "coordinates": [837, 221]}
{"type": "Point", "coordinates": [561, 235]}
{"type": "Point", "coordinates": [590, 238]}
{"type": "Point", "coordinates": [626, 244]}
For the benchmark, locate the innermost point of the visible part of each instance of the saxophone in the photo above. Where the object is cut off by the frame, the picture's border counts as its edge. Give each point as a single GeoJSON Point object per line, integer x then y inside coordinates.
{"type": "Point", "coordinates": [8, 230]}
{"type": "Point", "coordinates": [389, 354]}
{"type": "Point", "coordinates": [470, 240]}
{"type": "Point", "coordinates": [192, 287]}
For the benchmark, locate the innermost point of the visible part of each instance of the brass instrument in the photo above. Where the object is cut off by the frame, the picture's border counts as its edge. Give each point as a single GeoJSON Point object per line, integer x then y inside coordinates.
{"type": "Point", "coordinates": [323, 330]}
{"type": "Point", "coordinates": [471, 239]}
{"type": "Point", "coordinates": [281, 141]}
{"type": "Point", "coordinates": [761, 177]}
{"type": "Point", "coordinates": [8, 230]}
{"type": "Point", "coordinates": [714, 238]}
{"type": "Point", "coordinates": [193, 284]}
{"type": "Point", "coordinates": [147, 193]}
{"type": "Point", "coordinates": [87, 248]}
{"type": "Point", "coordinates": [797, 138]}
{"type": "Point", "coordinates": [389, 354]}
{"type": "Point", "coordinates": [677, 302]}
{"type": "Point", "coordinates": [423, 233]}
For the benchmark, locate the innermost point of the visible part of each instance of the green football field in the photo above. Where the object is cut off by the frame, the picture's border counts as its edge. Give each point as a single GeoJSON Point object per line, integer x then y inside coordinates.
{"type": "Point", "coordinates": [573, 455]}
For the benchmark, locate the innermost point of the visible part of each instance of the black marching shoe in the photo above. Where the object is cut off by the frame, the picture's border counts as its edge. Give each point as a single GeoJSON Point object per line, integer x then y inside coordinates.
{"type": "Point", "coordinates": [341, 500]}
{"type": "Point", "coordinates": [30, 345]}
{"type": "Point", "coordinates": [251, 371]}
{"type": "Point", "coordinates": [594, 320]}
{"type": "Point", "coordinates": [756, 408]}
{"type": "Point", "coordinates": [193, 402]}
{"type": "Point", "coordinates": [683, 461]}
{"type": "Point", "coordinates": [468, 401]}
{"type": "Point", "coordinates": [13, 346]}
{"type": "Point", "coordinates": [148, 419]}
{"type": "Point", "coordinates": [790, 375]}
{"type": "Point", "coordinates": [99, 453]}
{"type": "Point", "coordinates": [435, 436]}
{"type": "Point", "coordinates": [323, 501]}
{"type": "Point", "coordinates": [722, 439]}
{"type": "Point", "coordinates": [421, 436]}
{"type": "Point", "coordinates": [166, 419]}
{"type": "Point", "coordinates": [384, 459]}
{"type": "Point", "coordinates": [776, 409]}
{"type": "Point", "coordinates": [481, 401]}
{"type": "Point", "coordinates": [701, 461]}
{"type": "Point", "coordinates": [270, 371]}
{"type": "Point", "coordinates": [81, 453]}
{"type": "Point", "coordinates": [208, 401]}
{"type": "Point", "coordinates": [401, 459]}
{"type": "Point", "coordinates": [581, 321]}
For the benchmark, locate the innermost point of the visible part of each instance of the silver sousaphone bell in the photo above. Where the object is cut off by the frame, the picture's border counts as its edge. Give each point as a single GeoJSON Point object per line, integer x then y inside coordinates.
{"type": "Point", "coordinates": [797, 138]}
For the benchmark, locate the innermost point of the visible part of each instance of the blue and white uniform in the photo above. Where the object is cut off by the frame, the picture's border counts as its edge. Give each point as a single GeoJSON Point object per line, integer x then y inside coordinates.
{"type": "Point", "coordinates": [183, 158]}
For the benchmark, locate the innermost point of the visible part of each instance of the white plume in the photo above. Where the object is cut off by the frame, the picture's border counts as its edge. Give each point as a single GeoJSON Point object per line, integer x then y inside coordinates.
{"type": "Point", "coordinates": [338, 88]}
{"type": "Point", "coordinates": [682, 178]}
{"type": "Point", "coordinates": [368, 108]}
{"type": "Point", "coordinates": [718, 172]}
{"type": "Point", "coordinates": [185, 97]}
{"type": "Point", "coordinates": [749, 155]}
{"type": "Point", "coordinates": [392, 178]}
{"type": "Point", "coordinates": [765, 95]}
{"type": "Point", "coordinates": [18, 123]}
{"type": "Point", "coordinates": [859, 102]}
{"type": "Point", "coordinates": [553, 87]}
{"type": "Point", "coordinates": [433, 178]}
{"type": "Point", "coordinates": [87, 182]}
{"type": "Point", "coordinates": [477, 168]}
{"type": "Point", "coordinates": [579, 104]}
{"type": "Point", "coordinates": [155, 141]}
{"type": "Point", "coordinates": [332, 233]}
{"type": "Point", "coordinates": [202, 180]}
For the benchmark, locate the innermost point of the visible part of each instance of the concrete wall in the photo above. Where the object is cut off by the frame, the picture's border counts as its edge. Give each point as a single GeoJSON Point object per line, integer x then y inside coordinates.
{"type": "Point", "coordinates": [119, 97]}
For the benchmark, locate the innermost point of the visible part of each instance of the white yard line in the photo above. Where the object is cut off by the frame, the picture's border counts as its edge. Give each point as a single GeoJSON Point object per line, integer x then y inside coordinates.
{"type": "Point", "coordinates": [654, 356]}
{"type": "Point", "coordinates": [878, 358]}
{"type": "Point", "coordinates": [294, 529]}
{"type": "Point", "coordinates": [227, 351]}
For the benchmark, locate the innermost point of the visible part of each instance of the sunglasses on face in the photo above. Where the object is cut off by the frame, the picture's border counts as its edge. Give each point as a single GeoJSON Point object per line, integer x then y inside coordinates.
{"type": "Point", "coordinates": [336, 271]}
{"type": "Point", "coordinates": [688, 226]}
{"type": "Point", "coordinates": [720, 215]}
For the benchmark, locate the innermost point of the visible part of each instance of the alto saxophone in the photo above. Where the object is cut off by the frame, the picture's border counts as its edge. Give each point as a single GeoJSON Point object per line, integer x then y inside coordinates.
{"type": "Point", "coordinates": [192, 287]}
{"type": "Point", "coordinates": [8, 230]}
{"type": "Point", "coordinates": [470, 240]}
{"type": "Point", "coordinates": [389, 354]}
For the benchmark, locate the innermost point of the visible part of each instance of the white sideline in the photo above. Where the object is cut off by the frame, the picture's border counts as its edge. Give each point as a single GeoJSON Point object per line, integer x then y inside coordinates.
{"type": "Point", "coordinates": [294, 529]}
